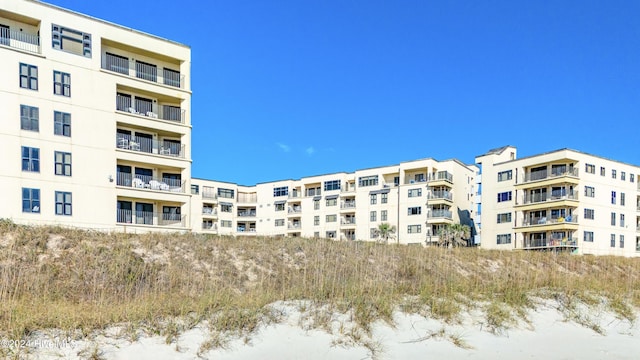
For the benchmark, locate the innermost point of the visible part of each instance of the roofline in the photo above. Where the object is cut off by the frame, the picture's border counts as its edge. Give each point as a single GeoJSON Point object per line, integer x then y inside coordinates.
{"type": "Point", "coordinates": [109, 23]}
{"type": "Point", "coordinates": [566, 149]}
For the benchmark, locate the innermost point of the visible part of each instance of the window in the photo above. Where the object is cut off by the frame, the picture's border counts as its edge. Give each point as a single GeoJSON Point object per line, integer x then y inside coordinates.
{"type": "Point", "coordinates": [332, 185]}
{"type": "Point", "coordinates": [613, 174]}
{"type": "Point", "coordinates": [502, 239]}
{"type": "Point", "coordinates": [374, 199]}
{"type": "Point", "coordinates": [225, 223]}
{"type": "Point", "coordinates": [280, 191]}
{"type": "Point", "coordinates": [613, 197]}
{"type": "Point", "coordinates": [316, 204]}
{"type": "Point", "coordinates": [316, 234]}
{"type": "Point", "coordinates": [225, 193]}
{"type": "Point", "coordinates": [623, 175]}
{"type": "Point", "coordinates": [621, 241]}
{"type": "Point", "coordinates": [415, 192]}
{"type": "Point", "coordinates": [195, 189]}
{"type": "Point", "coordinates": [414, 229]}
{"type": "Point", "coordinates": [588, 236]}
{"type": "Point", "coordinates": [331, 202]}
{"type": "Point", "coordinates": [63, 203]}
{"type": "Point", "coordinates": [330, 234]}
{"type": "Point", "coordinates": [383, 215]}
{"type": "Point", "coordinates": [29, 118]}
{"type": "Point", "coordinates": [384, 198]}
{"type": "Point", "coordinates": [613, 219]}
{"type": "Point", "coordinates": [331, 218]}
{"type": "Point", "coordinates": [632, 178]}
{"type": "Point", "coordinates": [30, 200]}
{"type": "Point", "coordinates": [279, 206]}
{"type": "Point", "coordinates": [590, 168]}
{"type": "Point", "coordinates": [63, 163]}
{"type": "Point", "coordinates": [368, 180]}
{"type": "Point", "coordinates": [373, 233]}
{"type": "Point", "coordinates": [622, 199]}
{"type": "Point", "coordinates": [602, 171]}
{"type": "Point", "coordinates": [373, 216]}
{"type": "Point", "coordinates": [61, 123]}
{"type": "Point", "coordinates": [613, 240]}
{"type": "Point", "coordinates": [504, 196]}
{"type": "Point", "coordinates": [316, 220]}
{"type": "Point", "coordinates": [415, 210]}
{"type": "Point", "coordinates": [30, 159]}
{"type": "Point", "coordinates": [226, 208]}
{"type": "Point", "coordinates": [28, 76]}
{"type": "Point", "coordinates": [71, 41]}
{"type": "Point", "coordinates": [504, 218]}
{"type": "Point", "coordinates": [61, 83]}
{"type": "Point", "coordinates": [505, 175]}
{"type": "Point", "coordinates": [396, 180]}
{"type": "Point", "coordinates": [279, 222]}
{"type": "Point", "coordinates": [313, 191]}
{"type": "Point", "coordinates": [621, 220]}
{"type": "Point", "coordinates": [589, 214]}
{"type": "Point", "coordinates": [589, 191]}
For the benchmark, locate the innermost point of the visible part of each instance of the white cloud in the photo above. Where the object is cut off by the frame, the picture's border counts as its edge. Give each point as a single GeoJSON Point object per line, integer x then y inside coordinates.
{"type": "Point", "coordinates": [310, 150]}
{"type": "Point", "coordinates": [284, 147]}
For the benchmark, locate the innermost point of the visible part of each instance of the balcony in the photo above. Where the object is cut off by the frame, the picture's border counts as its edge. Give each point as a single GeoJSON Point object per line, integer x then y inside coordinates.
{"type": "Point", "coordinates": [541, 175]}
{"type": "Point", "coordinates": [144, 107]}
{"type": "Point", "coordinates": [150, 146]}
{"type": "Point", "coordinates": [142, 70]}
{"type": "Point", "coordinates": [348, 221]}
{"type": "Point", "coordinates": [247, 198]}
{"type": "Point", "coordinates": [439, 213]}
{"type": "Point", "coordinates": [533, 244]}
{"type": "Point", "coordinates": [209, 211]}
{"type": "Point", "coordinates": [536, 221]}
{"type": "Point", "coordinates": [346, 205]}
{"type": "Point", "coordinates": [20, 40]}
{"type": "Point", "coordinates": [295, 195]}
{"type": "Point", "coordinates": [209, 193]}
{"type": "Point", "coordinates": [211, 226]}
{"type": "Point", "coordinates": [295, 209]}
{"type": "Point", "coordinates": [441, 176]}
{"type": "Point", "coordinates": [440, 195]}
{"type": "Point", "coordinates": [246, 213]}
{"type": "Point", "coordinates": [150, 218]}
{"type": "Point", "coordinates": [146, 182]}
{"type": "Point", "coordinates": [294, 226]}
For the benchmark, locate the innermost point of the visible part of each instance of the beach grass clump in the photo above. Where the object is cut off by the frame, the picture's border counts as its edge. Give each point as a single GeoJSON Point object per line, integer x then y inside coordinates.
{"type": "Point", "coordinates": [71, 279]}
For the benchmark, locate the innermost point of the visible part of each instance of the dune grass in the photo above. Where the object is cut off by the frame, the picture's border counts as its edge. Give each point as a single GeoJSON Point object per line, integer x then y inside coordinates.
{"type": "Point", "coordinates": [77, 280]}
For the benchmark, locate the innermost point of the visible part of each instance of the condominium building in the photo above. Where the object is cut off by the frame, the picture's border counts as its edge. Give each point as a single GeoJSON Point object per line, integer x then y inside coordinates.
{"type": "Point", "coordinates": [418, 197]}
{"type": "Point", "coordinates": [94, 122]}
{"type": "Point", "coordinates": [560, 200]}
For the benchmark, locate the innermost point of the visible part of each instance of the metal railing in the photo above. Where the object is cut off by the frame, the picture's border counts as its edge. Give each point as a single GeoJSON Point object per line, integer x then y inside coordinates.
{"type": "Point", "coordinates": [149, 218]}
{"type": "Point", "coordinates": [207, 226]}
{"type": "Point", "coordinates": [247, 198]}
{"type": "Point", "coordinates": [20, 40]}
{"type": "Point", "coordinates": [348, 205]}
{"type": "Point", "coordinates": [209, 211]}
{"type": "Point", "coordinates": [295, 195]}
{"type": "Point", "coordinates": [542, 243]}
{"type": "Point", "coordinates": [348, 221]}
{"type": "Point", "coordinates": [294, 225]}
{"type": "Point", "coordinates": [151, 146]}
{"type": "Point", "coordinates": [441, 175]}
{"type": "Point", "coordinates": [141, 70]}
{"type": "Point", "coordinates": [538, 198]}
{"type": "Point", "coordinates": [545, 174]}
{"type": "Point", "coordinates": [144, 107]}
{"type": "Point", "coordinates": [295, 210]}
{"type": "Point", "coordinates": [440, 195]}
{"type": "Point", "coordinates": [573, 219]}
{"type": "Point", "coordinates": [149, 182]}
{"type": "Point", "coordinates": [439, 214]}
{"type": "Point", "coordinates": [246, 213]}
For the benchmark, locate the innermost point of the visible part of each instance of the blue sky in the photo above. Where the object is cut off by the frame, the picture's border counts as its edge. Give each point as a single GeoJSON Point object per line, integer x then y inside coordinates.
{"type": "Point", "coordinates": [291, 88]}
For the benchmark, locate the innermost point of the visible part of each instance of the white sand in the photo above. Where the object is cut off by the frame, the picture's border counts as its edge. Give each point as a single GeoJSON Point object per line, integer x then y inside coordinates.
{"type": "Point", "coordinates": [547, 336]}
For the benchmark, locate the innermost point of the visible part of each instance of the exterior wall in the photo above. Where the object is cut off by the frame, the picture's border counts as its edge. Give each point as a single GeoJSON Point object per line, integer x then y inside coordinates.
{"type": "Point", "coordinates": [562, 201]}
{"type": "Point", "coordinates": [94, 184]}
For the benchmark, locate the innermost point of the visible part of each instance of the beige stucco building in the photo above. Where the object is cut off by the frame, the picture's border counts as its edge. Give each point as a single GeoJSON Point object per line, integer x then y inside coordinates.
{"type": "Point", "coordinates": [560, 200]}
{"type": "Point", "coordinates": [95, 129]}
{"type": "Point", "coordinates": [418, 197]}
{"type": "Point", "coordinates": [95, 122]}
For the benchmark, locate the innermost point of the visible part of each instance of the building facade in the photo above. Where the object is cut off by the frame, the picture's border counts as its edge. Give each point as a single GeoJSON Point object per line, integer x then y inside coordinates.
{"type": "Point", "coordinates": [560, 200]}
{"type": "Point", "coordinates": [95, 122]}
{"type": "Point", "coordinates": [418, 197]}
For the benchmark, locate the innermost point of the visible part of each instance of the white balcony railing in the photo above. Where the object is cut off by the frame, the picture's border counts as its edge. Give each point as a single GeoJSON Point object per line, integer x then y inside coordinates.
{"type": "Point", "coordinates": [20, 40]}
{"type": "Point", "coordinates": [545, 174]}
{"type": "Point", "coordinates": [150, 218]}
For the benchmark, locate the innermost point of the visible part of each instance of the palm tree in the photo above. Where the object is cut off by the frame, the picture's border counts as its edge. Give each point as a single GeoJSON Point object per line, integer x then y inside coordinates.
{"type": "Point", "coordinates": [454, 235]}
{"type": "Point", "coordinates": [385, 231]}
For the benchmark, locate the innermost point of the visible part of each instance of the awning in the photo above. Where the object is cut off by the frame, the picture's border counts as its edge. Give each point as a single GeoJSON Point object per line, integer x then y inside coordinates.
{"type": "Point", "coordinates": [226, 204]}
{"type": "Point", "coordinates": [331, 197]}
{"type": "Point", "coordinates": [280, 202]}
{"type": "Point", "coordinates": [316, 198]}
{"type": "Point", "coordinates": [381, 191]}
